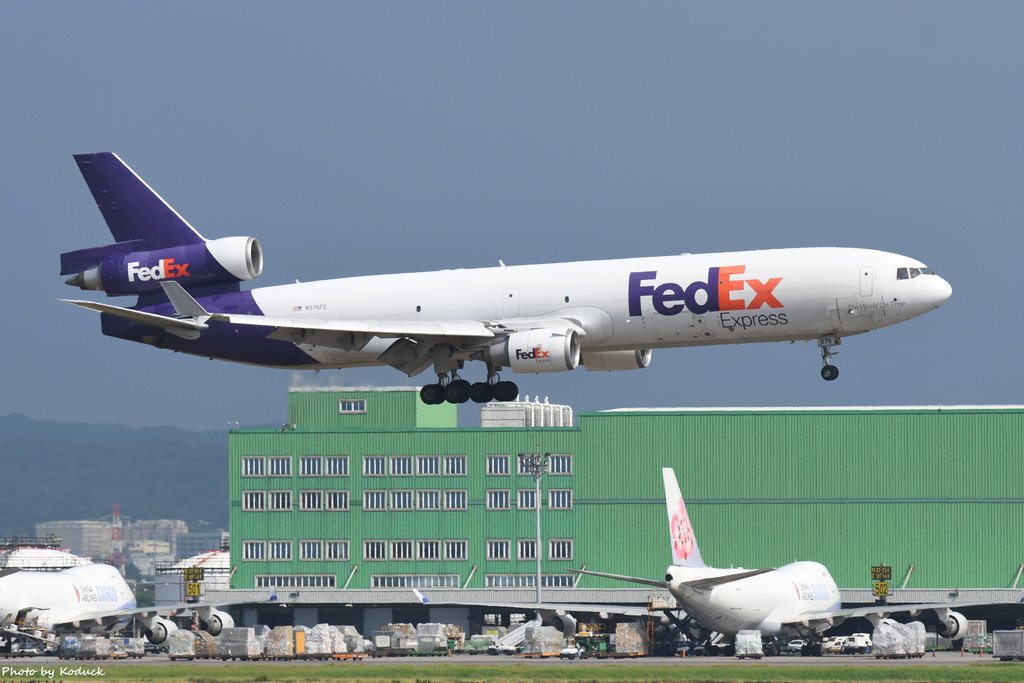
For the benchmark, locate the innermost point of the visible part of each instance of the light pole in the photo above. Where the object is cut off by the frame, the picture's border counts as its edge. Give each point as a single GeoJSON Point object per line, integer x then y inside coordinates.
{"type": "Point", "coordinates": [535, 464]}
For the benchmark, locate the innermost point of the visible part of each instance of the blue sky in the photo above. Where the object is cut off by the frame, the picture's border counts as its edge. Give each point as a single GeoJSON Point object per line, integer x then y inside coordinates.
{"type": "Point", "coordinates": [361, 138]}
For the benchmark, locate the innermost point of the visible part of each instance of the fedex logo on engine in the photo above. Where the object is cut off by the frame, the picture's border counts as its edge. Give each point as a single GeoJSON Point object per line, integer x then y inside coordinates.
{"type": "Point", "coordinates": [165, 269]}
{"type": "Point", "coordinates": [722, 285]}
{"type": "Point", "coordinates": [536, 353]}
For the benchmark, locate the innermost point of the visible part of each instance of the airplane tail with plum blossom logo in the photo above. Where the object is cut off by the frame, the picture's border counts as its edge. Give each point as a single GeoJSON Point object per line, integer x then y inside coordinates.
{"type": "Point", "coordinates": [685, 552]}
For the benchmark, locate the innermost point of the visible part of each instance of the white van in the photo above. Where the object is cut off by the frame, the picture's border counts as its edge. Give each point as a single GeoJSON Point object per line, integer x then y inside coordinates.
{"type": "Point", "coordinates": [858, 643]}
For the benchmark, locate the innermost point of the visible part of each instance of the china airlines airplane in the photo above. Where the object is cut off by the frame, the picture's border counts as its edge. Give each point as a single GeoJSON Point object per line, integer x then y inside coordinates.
{"type": "Point", "coordinates": [90, 598]}
{"type": "Point", "coordinates": [602, 315]}
{"type": "Point", "coordinates": [800, 598]}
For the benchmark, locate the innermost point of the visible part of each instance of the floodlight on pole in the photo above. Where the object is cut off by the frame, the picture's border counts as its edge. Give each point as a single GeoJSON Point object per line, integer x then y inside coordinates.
{"type": "Point", "coordinates": [535, 464]}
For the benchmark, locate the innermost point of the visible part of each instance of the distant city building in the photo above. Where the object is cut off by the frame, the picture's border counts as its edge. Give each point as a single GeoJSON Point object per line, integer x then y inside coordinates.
{"type": "Point", "coordinates": [197, 542]}
{"type": "Point", "coordinates": [92, 537]}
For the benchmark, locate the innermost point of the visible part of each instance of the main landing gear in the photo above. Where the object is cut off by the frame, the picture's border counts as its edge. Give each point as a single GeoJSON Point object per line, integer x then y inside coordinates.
{"type": "Point", "coordinates": [828, 371]}
{"type": "Point", "coordinates": [454, 389]}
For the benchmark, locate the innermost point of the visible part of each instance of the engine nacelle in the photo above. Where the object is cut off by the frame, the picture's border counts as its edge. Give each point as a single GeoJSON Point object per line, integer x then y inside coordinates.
{"type": "Point", "coordinates": [217, 621]}
{"type": "Point", "coordinates": [224, 261]}
{"type": "Point", "coordinates": [160, 630]}
{"type": "Point", "coordinates": [612, 361]}
{"type": "Point", "coordinates": [954, 626]}
{"type": "Point", "coordinates": [541, 350]}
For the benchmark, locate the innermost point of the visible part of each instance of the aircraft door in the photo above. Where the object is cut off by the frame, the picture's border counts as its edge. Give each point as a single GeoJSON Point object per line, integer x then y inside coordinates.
{"type": "Point", "coordinates": [867, 277]}
{"type": "Point", "coordinates": [510, 303]}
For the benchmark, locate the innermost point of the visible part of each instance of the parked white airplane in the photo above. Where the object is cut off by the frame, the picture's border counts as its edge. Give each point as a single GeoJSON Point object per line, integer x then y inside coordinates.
{"type": "Point", "coordinates": [90, 598]}
{"type": "Point", "coordinates": [800, 598]}
{"type": "Point", "coordinates": [603, 315]}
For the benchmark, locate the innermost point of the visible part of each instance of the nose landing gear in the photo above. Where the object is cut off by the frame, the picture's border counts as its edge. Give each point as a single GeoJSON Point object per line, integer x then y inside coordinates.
{"type": "Point", "coordinates": [828, 371]}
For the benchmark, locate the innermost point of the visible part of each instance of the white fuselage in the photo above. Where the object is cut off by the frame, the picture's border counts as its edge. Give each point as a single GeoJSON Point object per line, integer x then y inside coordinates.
{"type": "Point", "coordinates": [68, 597]}
{"type": "Point", "coordinates": [623, 304]}
{"type": "Point", "coordinates": [764, 602]}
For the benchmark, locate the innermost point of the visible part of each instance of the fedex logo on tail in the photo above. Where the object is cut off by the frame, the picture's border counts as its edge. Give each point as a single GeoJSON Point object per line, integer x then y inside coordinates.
{"type": "Point", "coordinates": [722, 285]}
{"type": "Point", "coordinates": [165, 269]}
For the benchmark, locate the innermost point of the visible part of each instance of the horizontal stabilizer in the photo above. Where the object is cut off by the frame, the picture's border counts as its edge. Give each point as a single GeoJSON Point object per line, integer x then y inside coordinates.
{"type": "Point", "coordinates": [712, 581]}
{"type": "Point", "coordinates": [620, 577]}
{"type": "Point", "coordinates": [186, 328]}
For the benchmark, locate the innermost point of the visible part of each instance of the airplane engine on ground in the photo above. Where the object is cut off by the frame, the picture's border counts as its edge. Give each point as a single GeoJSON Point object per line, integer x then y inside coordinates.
{"type": "Point", "coordinates": [536, 351]}
{"type": "Point", "coordinates": [160, 630]}
{"type": "Point", "coordinates": [954, 626]}
{"type": "Point", "coordinates": [611, 361]}
{"type": "Point", "coordinates": [119, 272]}
{"type": "Point", "coordinates": [217, 621]}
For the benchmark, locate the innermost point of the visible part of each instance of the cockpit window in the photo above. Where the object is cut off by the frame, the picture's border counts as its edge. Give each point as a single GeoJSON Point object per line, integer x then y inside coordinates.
{"type": "Point", "coordinates": [911, 273]}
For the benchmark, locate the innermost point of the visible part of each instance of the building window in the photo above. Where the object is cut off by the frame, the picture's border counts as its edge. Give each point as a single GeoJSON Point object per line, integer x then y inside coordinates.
{"type": "Point", "coordinates": [336, 550]}
{"type": "Point", "coordinates": [560, 549]}
{"type": "Point", "coordinates": [253, 500]}
{"type": "Point", "coordinates": [497, 464]}
{"type": "Point", "coordinates": [311, 550]}
{"type": "Point", "coordinates": [280, 550]}
{"type": "Point", "coordinates": [280, 467]}
{"type": "Point", "coordinates": [456, 550]}
{"type": "Point", "coordinates": [373, 466]}
{"type": "Point", "coordinates": [428, 465]}
{"type": "Point", "coordinates": [527, 581]}
{"type": "Point", "coordinates": [374, 550]}
{"type": "Point", "coordinates": [401, 500]}
{"type": "Point", "coordinates": [428, 500]}
{"type": "Point", "coordinates": [497, 499]}
{"type": "Point", "coordinates": [253, 467]}
{"type": "Point", "coordinates": [254, 550]}
{"type": "Point", "coordinates": [561, 464]}
{"type": "Point", "coordinates": [428, 550]}
{"type": "Point", "coordinates": [336, 500]}
{"type": "Point", "coordinates": [560, 499]}
{"type": "Point", "coordinates": [454, 500]}
{"type": "Point", "coordinates": [527, 499]}
{"type": "Point", "coordinates": [527, 549]}
{"type": "Point", "coordinates": [497, 550]}
{"type": "Point", "coordinates": [352, 406]}
{"type": "Point", "coordinates": [311, 500]}
{"type": "Point", "coordinates": [375, 500]}
{"type": "Point", "coordinates": [280, 500]}
{"type": "Point", "coordinates": [337, 465]}
{"type": "Point", "coordinates": [295, 581]}
{"type": "Point", "coordinates": [311, 466]}
{"type": "Point", "coordinates": [454, 464]}
{"type": "Point", "coordinates": [401, 465]}
{"type": "Point", "coordinates": [401, 550]}
{"type": "Point", "coordinates": [415, 581]}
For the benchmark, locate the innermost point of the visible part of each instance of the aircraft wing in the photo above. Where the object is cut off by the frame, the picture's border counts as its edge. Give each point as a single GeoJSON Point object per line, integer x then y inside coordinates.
{"type": "Point", "coordinates": [550, 607]}
{"type": "Point", "coordinates": [885, 610]}
{"type": "Point", "coordinates": [111, 616]}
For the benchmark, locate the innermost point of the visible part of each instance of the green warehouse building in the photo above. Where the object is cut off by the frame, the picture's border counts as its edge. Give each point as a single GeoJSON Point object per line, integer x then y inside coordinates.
{"type": "Point", "coordinates": [363, 495]}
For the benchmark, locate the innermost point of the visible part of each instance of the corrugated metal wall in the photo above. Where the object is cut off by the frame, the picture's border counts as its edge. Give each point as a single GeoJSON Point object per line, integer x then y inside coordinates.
{"type": "Point", "coordinates": [940, 489]}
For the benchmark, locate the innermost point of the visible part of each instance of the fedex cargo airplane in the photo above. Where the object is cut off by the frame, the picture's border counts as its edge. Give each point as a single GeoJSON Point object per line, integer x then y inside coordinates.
{"type": "Point", "coordinates": [800, 598]}
{"type": "Point", "coordinates": [90, 598]}
{"type": "Point", "coordinates": [603, 315]}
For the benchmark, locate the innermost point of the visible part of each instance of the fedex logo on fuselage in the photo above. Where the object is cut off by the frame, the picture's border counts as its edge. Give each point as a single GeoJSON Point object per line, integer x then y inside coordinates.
{"type": "Point", "coordinates": [670, 298]}
{"type": "Point", "coordinates": [536, 353]}
{"type": "Point", "coordinates": [165, 269]}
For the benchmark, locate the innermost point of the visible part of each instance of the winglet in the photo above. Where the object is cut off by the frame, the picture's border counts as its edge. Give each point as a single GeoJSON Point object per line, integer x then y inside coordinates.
{"type": "Point", "coordinates": [684, 542]}
{"type": "Point", "coordinates": [421, 597]}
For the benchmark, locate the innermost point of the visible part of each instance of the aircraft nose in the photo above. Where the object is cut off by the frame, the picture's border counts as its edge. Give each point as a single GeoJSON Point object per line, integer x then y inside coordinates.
{"type": "Point", "coordinates": [941, 291]}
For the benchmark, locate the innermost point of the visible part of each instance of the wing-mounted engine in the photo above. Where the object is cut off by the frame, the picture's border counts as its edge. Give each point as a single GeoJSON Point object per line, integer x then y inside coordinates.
{"type": "Point", "coordinates": [119, 269]}
{"type": "Point", "coordinates": [612, 361]}
{"type": "Point", "coordinates": [216, 621]}
{"type": "Point", "coordinates": [536, 351]}
{"type": "Point", "coordinates": [159, 630]}
{"type": "Point", "coordinates": [952, 625]}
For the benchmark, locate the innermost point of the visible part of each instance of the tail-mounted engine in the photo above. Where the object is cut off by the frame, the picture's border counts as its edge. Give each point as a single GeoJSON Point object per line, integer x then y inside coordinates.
{"type": "Point", "coordinates": [117, 271]}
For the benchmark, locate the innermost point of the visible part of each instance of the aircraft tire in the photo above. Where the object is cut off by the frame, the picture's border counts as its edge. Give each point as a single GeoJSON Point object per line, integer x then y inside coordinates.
{"type": "Point", "coordinates": [432, 394]}
{"type": "Point", "coordinates": [505, 391]}
{"type": "Point", "coordinates": [829, 373]}
{"type": "Point", "coordinates": [481, 392]}
{"type": "Point", "coordinates": [457, 391]}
